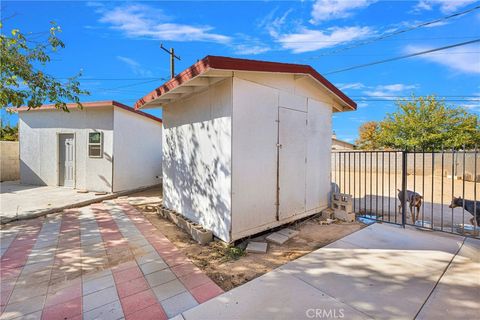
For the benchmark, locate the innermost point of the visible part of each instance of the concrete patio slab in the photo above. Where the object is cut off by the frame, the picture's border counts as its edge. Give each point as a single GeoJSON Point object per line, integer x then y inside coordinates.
{"type": "Point", "coordinates": [457, 295]}
{"type": "Point", "coordinates": [275, 295]}
{"type": "Point", "coordinates": [381, 283]}
{"type": "Point", "coordinates": [26, 201]}
{"type": "Point", "coordinates": [393, 237]}
{"type": "Point", "coordinates": [380, 272]}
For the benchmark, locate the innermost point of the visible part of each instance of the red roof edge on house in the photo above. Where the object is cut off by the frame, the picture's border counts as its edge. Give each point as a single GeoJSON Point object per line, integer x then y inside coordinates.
{"type": "Point", "coordinates": [95, 104]}
{"type": "Point", "coordinates": [227, 63]}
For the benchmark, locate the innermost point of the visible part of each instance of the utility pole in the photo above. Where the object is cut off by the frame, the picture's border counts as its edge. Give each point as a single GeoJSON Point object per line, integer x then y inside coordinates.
{"type": "Point", "coordinates": [171, 52]}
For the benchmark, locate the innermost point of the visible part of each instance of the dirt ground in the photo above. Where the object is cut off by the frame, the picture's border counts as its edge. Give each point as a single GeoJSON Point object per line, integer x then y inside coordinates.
{"type": "Point", "coordinates": [230, 267]}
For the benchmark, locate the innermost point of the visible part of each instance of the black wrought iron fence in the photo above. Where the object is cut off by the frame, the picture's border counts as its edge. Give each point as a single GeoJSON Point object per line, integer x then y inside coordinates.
{"type": "Point", "coordinates": [432, 190]}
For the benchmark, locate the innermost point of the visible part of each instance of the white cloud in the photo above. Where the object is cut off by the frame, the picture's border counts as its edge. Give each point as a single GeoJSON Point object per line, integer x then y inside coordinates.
{"type": "Point", "coordinates": [474, 107]}
{"type": "Point", "coordinates": [473, 104]}
{"type": "Point", "coordinates": [446, 6]}
{"type": "Point", "coordinates": [247, 49]}
{"type": "Point", "coordinates": [396, 87]}
{"type": "Point", "coordinates": [459, 59]}
{"type": "Point", "coordinates": [323, 10]}
{"type": "Point", "coordinates": [273, 25]}
{"type": "Point", "coordinates": [358, 119]}
{"type": "Point", "coordinates": [306, 40]}
{"type": "Point", "coordinates": [248, 45]}
{"type": "Point", "coordinates": [390, 90]}
{"type": "Point", "coordinates": [138, 20]}
{"type": "Point", "coordinates": [352, 86]}
{"type": "Point", "coordinates": [292, 34]}
{"type": "Point", "coordinates": [135, 67]}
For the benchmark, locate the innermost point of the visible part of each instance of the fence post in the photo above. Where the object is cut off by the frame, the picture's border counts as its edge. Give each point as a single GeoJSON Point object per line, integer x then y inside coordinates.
{"type": "Point", "coordinates": [404, 187]}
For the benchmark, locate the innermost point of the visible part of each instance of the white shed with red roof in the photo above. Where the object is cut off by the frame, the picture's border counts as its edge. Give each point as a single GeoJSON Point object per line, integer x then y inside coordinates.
{"type": "Point", "coordinates": [246, 144]}
{"type": "Point", "coordinates": [105, 146]}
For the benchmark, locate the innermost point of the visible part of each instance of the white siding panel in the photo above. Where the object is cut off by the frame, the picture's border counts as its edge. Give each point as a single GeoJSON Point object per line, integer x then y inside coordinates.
{"type": "Point", "coordinates": [281, 81]}
{"type": "Point", "coordinates": [319, 131]}
{"type": "Point", "coordinates": [288, 100]}
{"type": "Point", "coordinates": [255, 111]}
{"type": "Point", "coordinates": [197, 158]}
{"type": "Point", "coordinates": [307, 87]}
{"type": "Point", "coordinates": [137, 151]}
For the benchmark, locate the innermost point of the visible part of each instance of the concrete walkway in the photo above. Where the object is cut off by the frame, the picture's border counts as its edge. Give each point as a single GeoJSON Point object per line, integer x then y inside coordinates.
{"type": "Point", "coordinates": [20, 201]}
{"type": "Point", "coordinates": [380, 272]}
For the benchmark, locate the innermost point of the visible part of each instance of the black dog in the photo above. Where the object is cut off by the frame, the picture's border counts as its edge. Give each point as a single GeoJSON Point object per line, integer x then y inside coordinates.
{"type": "Point", "coordinates": [414, 199]}
{"type": "Point", "coordinates": [469, 205]}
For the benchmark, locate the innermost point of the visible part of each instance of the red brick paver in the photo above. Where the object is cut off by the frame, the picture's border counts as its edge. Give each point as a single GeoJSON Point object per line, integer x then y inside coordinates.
{"type": "Point", "coordinates": [15, 257]}
{"type": "Point", "coordinates": [110, 248]}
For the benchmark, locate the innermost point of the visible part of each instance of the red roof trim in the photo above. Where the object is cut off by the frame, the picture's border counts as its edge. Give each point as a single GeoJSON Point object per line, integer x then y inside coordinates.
{"type": "Point", "coordinates": [125, 107]}
{"type": "Point", "coordinates": [226, 63]}
{"type": "Point", "coordinates": [94, 104]}
{"type": "Point", "coordinates": [187, 74]}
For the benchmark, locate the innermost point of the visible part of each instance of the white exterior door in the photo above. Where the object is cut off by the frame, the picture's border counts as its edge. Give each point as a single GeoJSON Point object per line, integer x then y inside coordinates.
{"type": "Point", "coordinates": [292, 162]}
{"type": "Point", "coordinates": [66, 163]}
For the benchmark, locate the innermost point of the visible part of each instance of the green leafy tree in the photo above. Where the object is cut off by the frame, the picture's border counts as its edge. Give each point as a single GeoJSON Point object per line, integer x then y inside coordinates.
{"type": "Point", "coordinates": [368, 136]}
{"type": "Point", "coordinates": [426, 123]}
{"type": "Point", "coordinates": [7, 131]}
{"type": "Point", "coordinates": [22, 83]}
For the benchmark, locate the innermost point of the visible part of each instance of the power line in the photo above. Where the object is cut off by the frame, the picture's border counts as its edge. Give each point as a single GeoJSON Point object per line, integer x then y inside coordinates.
{"type": "Point", "coordinates": [380, 55]}
{"type": "Point", "coordinates": [400, 39]}
{"type": "Point", "coordinates": [130, 85]}
{"type": "Point", "coordinates": [114, 79]}
{"type": "Point", "coordinates": [403, 57]}
{"type": "Point", "coordinates": [394, 33]}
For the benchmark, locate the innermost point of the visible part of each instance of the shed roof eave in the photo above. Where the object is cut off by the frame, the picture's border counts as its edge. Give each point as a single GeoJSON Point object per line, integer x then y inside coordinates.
{"type": "Point", "coordinates": [212, 64]}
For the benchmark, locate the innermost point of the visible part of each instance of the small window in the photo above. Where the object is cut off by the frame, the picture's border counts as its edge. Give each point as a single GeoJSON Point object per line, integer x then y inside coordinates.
{"type": "Point", "coordinates": [95, 144]}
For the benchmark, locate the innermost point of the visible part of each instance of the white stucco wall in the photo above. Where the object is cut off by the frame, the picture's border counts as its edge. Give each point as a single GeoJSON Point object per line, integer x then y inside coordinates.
{"type": "Point", "coordinates": [197, 157]}
{"type": "Point", "coordinates": [256, 101]}
{"type": "Point", "coordinates": [137, 151]}
{"type": "Point", "coordinates": [39, 131]}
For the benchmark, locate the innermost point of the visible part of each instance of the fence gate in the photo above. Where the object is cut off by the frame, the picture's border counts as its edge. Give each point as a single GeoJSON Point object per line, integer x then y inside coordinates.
{"type": "Point", "coordinates": [412, 188]}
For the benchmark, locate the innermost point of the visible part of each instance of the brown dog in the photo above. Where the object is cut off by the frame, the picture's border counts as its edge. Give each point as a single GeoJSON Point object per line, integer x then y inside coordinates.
{"type": "Point", "coordinates": [414, 200]}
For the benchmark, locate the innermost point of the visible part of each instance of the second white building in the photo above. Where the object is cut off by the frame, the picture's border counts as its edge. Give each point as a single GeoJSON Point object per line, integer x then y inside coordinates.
{"type": "Point", "coordinates": [106, 147]}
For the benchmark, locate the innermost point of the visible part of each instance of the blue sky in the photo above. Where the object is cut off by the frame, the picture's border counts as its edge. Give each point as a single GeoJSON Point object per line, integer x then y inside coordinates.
{"type": "Point", "coordinates": [116, 45]}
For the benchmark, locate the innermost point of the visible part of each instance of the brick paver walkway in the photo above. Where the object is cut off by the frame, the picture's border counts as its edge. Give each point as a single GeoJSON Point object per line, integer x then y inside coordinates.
{"type": "Point", "coordinates": [104, 261]}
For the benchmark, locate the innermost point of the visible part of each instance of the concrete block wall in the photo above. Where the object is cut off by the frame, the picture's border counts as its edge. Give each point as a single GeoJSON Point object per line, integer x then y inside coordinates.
{"type": "Point", "coordinates": [9, 160]}
{"type": "Point", "coordinates": [420, 164]}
